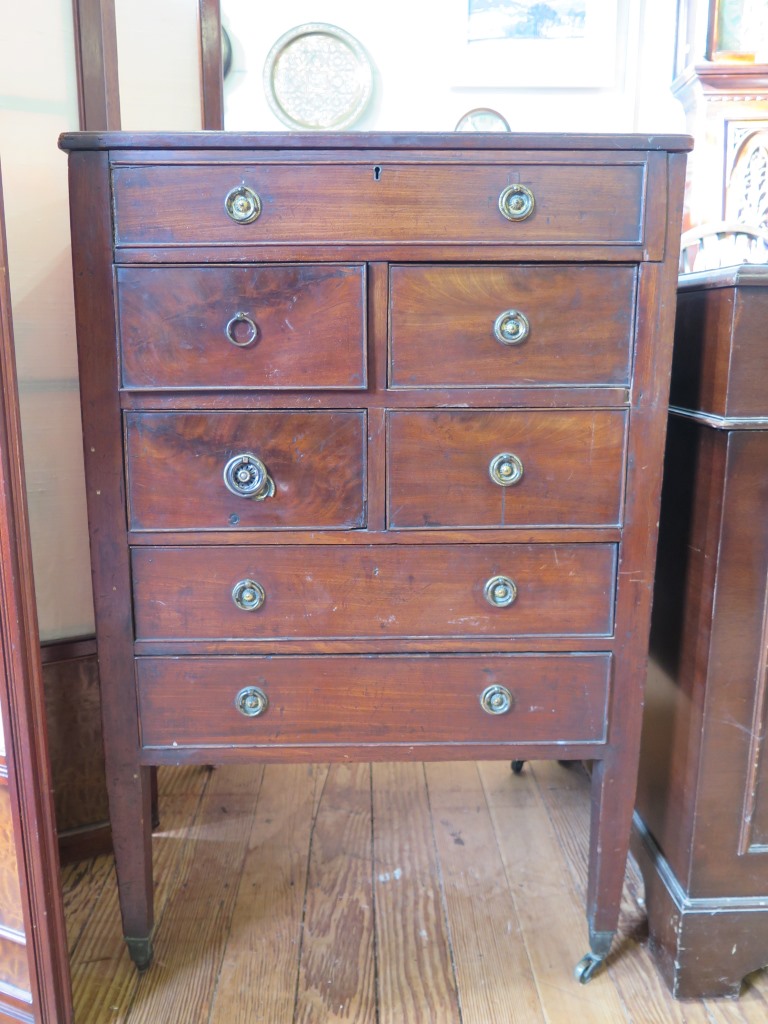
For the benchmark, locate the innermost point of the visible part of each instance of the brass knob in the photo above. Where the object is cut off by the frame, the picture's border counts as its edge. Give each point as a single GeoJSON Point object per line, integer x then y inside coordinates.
{"type": "Point", "coordinates": [506, 469]}
{"type": "Point", "coordinates": [251, 701]}
{"type": "Point", "coordinates": [511, 327]}
{"type": "Point", "coordinates": [496, 700]}
{"type": "Point", "coordinates": [500, 591]}
{"type": "Point", "coordinates": [242, 204]}
{"type": "Point", "coordinates": [247, 477]}
{"type": "Point", "coordinates": [248, 595]}
{"type": "Point", "coordinates": [251, 334]}
{"type": "Point", "coordinates": [516, 202]}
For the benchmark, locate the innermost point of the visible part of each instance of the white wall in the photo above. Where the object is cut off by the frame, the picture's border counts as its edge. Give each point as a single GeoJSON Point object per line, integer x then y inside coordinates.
{"type": "Point", "coordinates": [38, 100]}
{"type": "Point", "coordinates": [158, 43]}
{"type": "Point", "coordinates": [420, 60]}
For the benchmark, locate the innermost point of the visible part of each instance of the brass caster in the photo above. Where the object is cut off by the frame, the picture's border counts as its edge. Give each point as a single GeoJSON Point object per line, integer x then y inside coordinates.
{"type": "Point", "coordinates": [585, 969]}
{"type": "Point", "coordinates": [517, 766]}
{"type": "Point", "coordinates": [140, 951]}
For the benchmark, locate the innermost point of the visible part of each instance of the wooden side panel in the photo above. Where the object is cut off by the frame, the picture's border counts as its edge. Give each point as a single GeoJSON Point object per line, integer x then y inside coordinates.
{"type": "Point", "coordinates": [128, 784]}
{"type": "Point", "coordinates": [721, 362]}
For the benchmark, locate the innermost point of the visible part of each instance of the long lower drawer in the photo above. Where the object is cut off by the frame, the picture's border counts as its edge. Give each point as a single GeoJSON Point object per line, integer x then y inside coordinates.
{"type": "Point", "coordinates": [327, 700]}
{"type": "Point", "coordinates": [260, 592]}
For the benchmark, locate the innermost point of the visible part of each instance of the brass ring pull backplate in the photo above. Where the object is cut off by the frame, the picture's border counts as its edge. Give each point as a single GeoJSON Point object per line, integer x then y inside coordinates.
{"type": "Point", "coordinates": [511, 327]}
{"type": "Point", "coordinates": [516, 202]}
{"type": "Point", "coordinates": [500, 591]}
{"type": "Point", "coordinates": [242, 204]}
{"type": "Point", "coordinates": [251, 701]}
{"type": "Point", "coordinates": [252, 331]}
{"type": "Point", "coordinates": [496, 700]}
{"type": "Point", "coordinates": [506, 469]}
{"type": "Point", "coordinates": [248, 595]}
{"type": "Point", "coordinates": [247, 477]}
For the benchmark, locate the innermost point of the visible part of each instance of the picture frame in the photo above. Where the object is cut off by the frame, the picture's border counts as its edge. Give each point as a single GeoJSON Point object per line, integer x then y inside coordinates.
{"type": "Point", "coordinates": [735, 30]}
{"type": "Point", "coordinates": [530, 44]}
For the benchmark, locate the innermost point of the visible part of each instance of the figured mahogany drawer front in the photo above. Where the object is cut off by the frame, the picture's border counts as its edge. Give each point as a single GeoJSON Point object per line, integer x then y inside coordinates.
{"type": "Point", "coordinates": [242, 327]}
{"type": "Point", "coordinates": [349, 591]}
{"type": "Point", "coordinates": [343, 202]}
{"type": "Point", "coordinates": [475, 326]}
{"type": "Point", "coordinates": [394, 699]}
{"type": "Point", "coordinates": [246, 470]}
{"type": "Point", "coordinates": [459, 468]}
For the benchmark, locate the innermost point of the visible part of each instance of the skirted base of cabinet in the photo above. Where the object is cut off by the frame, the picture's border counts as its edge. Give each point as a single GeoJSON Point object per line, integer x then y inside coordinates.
{"type": "Point", "coordinates": [703, 947]}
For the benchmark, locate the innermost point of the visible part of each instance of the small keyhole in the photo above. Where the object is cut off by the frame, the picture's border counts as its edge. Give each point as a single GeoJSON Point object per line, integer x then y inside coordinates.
{"type": "Point", "coordinates": [377, 173]}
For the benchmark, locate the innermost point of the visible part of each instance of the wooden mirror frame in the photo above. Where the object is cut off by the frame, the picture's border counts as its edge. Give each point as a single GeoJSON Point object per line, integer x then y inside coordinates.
{"type": "Point", "coordinates": [23, 713]}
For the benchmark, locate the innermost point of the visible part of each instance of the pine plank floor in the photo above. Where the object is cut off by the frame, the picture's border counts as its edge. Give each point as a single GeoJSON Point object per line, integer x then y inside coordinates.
{"type": "Point", "coordinates": [371, 894]}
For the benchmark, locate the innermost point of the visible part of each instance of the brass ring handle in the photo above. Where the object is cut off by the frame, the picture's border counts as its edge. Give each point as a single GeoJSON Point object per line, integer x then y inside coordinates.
{"type": "Point", "coordinates": [242, 204]}
{"type": "Point", "coordinates": [247, 477]}
{"type": "Point", "coordinates": [516, 202]}
{"type": "Point", "coordinates": [248, 595]}
{"type": "Point", "coordinates": [506, 469]}
{"type": "Point", "coordinates": [496, 700]}
{"type": "Point", "coordinates": [500, 591]}
{"type": "Point", "coordinates": [251, 701]}
{"type": "Point", "coordinates": [511, 327]}
{"type": "Point", "coordinates": [252, 330]}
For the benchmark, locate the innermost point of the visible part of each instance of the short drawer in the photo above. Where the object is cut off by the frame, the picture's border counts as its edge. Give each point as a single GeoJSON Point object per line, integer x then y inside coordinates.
{"type": "Point", "coordinates": [490, 468]}
{"type": "Point", "coordinates": [350, 591]}
{"type": "Point", "coordinates": [246, 470]}
{"type": "Point", "coordinates": [498, 326]}
{"type": "Point", "coordinates": [600, 203]}
{"type": "Point", "coordinates": [242, 327]}
{"type": "Point", "coordinates": [330, 701]}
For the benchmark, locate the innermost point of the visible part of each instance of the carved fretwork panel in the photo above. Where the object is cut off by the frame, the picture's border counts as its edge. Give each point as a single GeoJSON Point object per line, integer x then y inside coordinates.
{"type": "Point", "coordinates": [746, 198]}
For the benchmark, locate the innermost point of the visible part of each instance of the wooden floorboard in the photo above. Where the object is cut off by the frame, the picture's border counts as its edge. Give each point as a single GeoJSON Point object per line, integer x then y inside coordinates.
{"type": "Point", "coordinates": [104, 981]}
{"type": "Point", "coordinates": [564, 794]}
{"type": "Point", "coordinates": [550, 911]}
{"type": "Point", "coordinates": [192, 932]}
{"type": "Point", "coordinates": [416, 979]}
{"type": "Point", "coordinates": [260, 969]}
{"type": "Point", "coordinates": [336, 969]}
{"type": "Point", "coordinates": [384, 894]}
{"type": "Point", "coordinates": [493, 969]}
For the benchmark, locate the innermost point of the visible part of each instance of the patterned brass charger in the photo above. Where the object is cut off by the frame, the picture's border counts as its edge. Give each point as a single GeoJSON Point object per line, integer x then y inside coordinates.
{"type": "Point", "coordinates": [318, 76]}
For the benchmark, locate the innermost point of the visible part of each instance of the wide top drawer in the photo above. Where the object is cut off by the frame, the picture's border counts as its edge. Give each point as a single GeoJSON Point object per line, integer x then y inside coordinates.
{"type": "Point", "coordinates": [360, 202]}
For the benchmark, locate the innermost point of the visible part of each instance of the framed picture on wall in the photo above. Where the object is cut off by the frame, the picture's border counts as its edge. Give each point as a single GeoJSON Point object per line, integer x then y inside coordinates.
{"type": "Point", "coordinates": [737, 30]}
{"type": "Point", "coordinates": [536, 43]}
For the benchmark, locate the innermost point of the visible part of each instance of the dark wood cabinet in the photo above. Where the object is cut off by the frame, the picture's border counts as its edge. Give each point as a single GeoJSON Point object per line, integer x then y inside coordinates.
{"type": "Point", "coordinates": [373, 432]}
{"type": "Point", "coordinates": [702, 822]}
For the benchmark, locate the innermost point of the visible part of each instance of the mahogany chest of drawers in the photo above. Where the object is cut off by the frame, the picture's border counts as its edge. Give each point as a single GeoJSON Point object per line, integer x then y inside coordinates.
{"type": "Point", "coordinates": [373, 431]}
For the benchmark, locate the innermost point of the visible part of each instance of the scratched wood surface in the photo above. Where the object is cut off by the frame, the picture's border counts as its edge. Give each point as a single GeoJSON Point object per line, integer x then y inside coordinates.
{"type": "Point", "coordinates": [387, 894]}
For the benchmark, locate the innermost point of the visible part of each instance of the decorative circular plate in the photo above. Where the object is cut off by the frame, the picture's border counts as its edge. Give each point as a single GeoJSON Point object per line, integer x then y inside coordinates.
{"type": "Point", "coordinates": [482, 119]}
{"type": "Point", "coordinates": [318, 76]}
